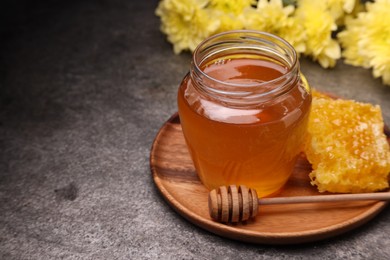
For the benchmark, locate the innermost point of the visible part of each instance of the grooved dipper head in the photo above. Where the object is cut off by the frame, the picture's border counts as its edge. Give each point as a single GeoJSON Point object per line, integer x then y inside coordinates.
{"type": "Point", "coordinates": [229, 204]}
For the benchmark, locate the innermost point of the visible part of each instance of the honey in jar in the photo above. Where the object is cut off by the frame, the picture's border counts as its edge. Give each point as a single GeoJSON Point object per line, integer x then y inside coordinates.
{"type": "Point", "coordinates": [244, 110]}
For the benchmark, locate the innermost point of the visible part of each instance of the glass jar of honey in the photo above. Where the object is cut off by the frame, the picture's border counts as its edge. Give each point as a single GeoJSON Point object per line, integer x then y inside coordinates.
{"type": "Point", "coordinates": [244, 108]}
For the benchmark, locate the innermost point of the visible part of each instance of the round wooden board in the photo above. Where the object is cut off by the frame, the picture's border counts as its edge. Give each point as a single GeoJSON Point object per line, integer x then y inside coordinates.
{"type": "Point", "coordinates": [176, 178]}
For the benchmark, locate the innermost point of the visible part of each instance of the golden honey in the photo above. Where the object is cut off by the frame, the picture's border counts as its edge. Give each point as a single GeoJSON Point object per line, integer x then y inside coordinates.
{"type": "Point", "coordinates": [244, 111]}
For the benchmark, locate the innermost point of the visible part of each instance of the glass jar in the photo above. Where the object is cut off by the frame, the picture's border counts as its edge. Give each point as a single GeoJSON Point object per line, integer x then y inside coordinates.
{"type": "Point", "coordinates": [244, 108]}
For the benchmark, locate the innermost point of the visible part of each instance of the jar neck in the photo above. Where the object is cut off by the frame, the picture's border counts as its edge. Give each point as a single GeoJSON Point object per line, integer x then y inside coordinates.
{"type": "Point", "coordinates": [244, 44]}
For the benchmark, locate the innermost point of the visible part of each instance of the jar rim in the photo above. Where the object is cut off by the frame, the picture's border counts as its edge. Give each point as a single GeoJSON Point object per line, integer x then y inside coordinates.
{"type": "Point", "coordinates": [292, 65]}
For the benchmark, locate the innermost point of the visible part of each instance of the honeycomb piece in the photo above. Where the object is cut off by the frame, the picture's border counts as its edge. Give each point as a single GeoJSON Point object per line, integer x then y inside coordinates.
{"type": "Point", "coordinates": [346, 146]}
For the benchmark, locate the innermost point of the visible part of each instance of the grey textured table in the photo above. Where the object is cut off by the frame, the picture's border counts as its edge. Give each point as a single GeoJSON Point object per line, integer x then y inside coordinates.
{"type": "Point", "coordinates": [85, 87]}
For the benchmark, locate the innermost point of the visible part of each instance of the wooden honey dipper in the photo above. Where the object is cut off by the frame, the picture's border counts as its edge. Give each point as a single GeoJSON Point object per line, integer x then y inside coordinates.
{"type": "Point", "coordinates": [232, 204]}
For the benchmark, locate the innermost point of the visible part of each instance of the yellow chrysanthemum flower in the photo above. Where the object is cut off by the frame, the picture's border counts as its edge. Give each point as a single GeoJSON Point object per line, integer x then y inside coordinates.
{"type": "Point", "coordinates": [268, 15]}
{"type": "Point", "coordinates": [366, 40]}
{"type": "Point", "coordinates": [318, 24]}
{"type": "Point", "coordinates": [231, 6]}
{"type": "Point", "coordinates": [186, 22]}
{"type": "Point", "coordinates": [339, 8]}
{"type": "Point", "coordinates": [228, 21]}
{"type": "Point", "coordinates": [349, 39]}
{"type": "Point", "coordinates": [271, 16]}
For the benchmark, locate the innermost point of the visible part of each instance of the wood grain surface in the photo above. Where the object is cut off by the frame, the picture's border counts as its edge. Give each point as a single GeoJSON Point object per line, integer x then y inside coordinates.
{"type": "Point", "coordinates": [176, 178]}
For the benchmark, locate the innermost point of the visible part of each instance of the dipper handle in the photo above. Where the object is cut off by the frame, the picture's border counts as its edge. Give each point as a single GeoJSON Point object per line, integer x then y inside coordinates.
{"type": "Point", "coordinates": [232, 204]}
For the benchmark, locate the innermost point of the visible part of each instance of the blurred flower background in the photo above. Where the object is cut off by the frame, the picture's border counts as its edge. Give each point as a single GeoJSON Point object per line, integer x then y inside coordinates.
{"type": "Point", "coordinates": [322, 30]}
